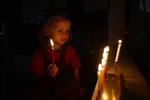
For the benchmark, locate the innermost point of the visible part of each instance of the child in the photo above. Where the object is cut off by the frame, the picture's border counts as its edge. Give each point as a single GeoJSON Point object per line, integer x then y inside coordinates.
{"type": "Point", "coordinates": [58, 80]}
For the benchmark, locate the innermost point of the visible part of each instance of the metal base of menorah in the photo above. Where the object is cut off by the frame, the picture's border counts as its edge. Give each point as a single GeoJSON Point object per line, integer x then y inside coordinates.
{"type": "Point", "coordinates": [111, 89]}
{"type": "Point", "coordinates": [112, 76]}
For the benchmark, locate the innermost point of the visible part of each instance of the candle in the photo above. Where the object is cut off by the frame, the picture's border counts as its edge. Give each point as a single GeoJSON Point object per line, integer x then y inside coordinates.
{"type": "Point", "coordinates": [103, 74]}
{"type": "Point", "coordinates": [99, 73]}
{"type": "Point", "coordinates": [118, 50]}
{"type": "Point", "coordinates": [97, 89]}
{"type": "Point", "coordinates": [52, 46]}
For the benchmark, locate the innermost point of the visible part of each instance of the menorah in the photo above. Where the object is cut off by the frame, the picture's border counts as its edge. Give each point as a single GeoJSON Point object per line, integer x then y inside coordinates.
{"type": "Point", "coordinates": [108, 86]}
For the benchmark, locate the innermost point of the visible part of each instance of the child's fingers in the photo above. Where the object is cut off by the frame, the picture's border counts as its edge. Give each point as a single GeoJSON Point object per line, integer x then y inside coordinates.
{"type": "Point", "coordinates": [53, 71]}
{"type": "Point", "coordinates": [50, 66]}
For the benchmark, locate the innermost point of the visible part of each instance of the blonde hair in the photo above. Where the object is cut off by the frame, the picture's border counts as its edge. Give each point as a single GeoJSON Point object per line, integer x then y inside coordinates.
{"type": "Point", "coordinates": [46, 25]}
{"type": "Point", "coordinates": [50, 22]}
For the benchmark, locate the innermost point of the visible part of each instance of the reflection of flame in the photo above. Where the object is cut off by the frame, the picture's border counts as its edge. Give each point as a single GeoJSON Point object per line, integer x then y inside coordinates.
{"type": "Point", "coordinates": [52, 43]}
{"type": "Point", "coordinates": [100, 67]}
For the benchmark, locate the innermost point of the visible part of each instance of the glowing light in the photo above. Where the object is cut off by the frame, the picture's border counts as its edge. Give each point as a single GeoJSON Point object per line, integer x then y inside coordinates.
{"type": "Point", "coordinates": [52, 43]}
{"type": "Point", "coordinates": [105, 55]}
{"type": "Point", "coordinates": [101, 75]}
{"type": "Point", "coordinates": [100, 67]}
{"type": "Point", "coordinates": [104, 96]}
{"type": "Point", "coordinates": [119, 41]}
{"type": "Point", "coordinates": [103, 62]}
{"type": "Point", "coordinates": [106, 48]}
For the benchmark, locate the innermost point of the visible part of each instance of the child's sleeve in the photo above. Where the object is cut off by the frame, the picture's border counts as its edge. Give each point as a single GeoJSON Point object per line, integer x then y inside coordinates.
{"type": "Point", "coordinates": [74, 58]}
{"type": "Point", "coordinates": [36, 67]}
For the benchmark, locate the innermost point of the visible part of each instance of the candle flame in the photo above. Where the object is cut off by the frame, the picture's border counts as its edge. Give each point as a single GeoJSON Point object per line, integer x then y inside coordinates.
{"type": "Point", "coordinates": [106, 49]}
{"type": "Point", "coordinates": [52, 43]}
{"type": "Point", "coordinates": [105, 55]}
{"type": "Point", "coordinates": [103, 62]}
{"type": "Point", "coordinates": [119, 41]}
{"type": "Point", "coordinates": [100, 67]}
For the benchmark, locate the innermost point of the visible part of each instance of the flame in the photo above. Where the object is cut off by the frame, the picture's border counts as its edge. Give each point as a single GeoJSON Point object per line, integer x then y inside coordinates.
{"type": "Point", "coordinates": [51, 42]}
{"type": "Point", "coordinates": [119, 41]}
{"type": "Point", "coordinates": [105, 55]}
{"type": "Point", "coordinates": [103, 62]}
{"type": "Point", "coordinates": [104, 96]}
{"type": "Point", "coordinates": [106, 49]}
{"type": "Point", "coordinates": [100, 67]}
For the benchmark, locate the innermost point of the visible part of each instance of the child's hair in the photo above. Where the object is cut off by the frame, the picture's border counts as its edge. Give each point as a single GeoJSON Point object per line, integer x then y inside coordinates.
{"type": "Point", "coordinates": [44, 38]}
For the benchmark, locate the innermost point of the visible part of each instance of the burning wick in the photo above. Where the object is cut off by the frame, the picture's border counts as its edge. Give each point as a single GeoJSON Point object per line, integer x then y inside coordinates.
{"type": "Point", "coordinates": [52, 46]}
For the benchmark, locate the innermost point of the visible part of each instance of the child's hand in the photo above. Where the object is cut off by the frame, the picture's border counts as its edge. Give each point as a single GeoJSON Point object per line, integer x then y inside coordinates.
{"type": "Point", "coordinates": [52, 70]}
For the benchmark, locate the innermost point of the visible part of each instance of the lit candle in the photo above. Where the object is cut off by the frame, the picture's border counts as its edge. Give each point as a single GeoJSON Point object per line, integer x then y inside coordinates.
{"type": "Point", "coordinates": [118, 50]}
{"type": "Point", "coordinates": [99, 81]}
{"type": "Point", "coordinates": [99, 71]}
{"type": "Point", "coordinates": [98, 84]}
{"type": "Point", "coordinates": [52, 46]}
{"type": "Point", "coordinates": [104, 62]}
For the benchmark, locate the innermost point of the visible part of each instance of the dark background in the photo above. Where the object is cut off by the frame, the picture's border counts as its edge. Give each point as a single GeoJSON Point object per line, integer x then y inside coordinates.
{"type": "Point", "coordinates": [20, 21]}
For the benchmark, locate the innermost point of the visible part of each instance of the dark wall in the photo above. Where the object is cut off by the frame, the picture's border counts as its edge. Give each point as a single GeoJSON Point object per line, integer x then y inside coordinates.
{"type": "Point", "coordinates": [22, 19]}
{"type": "Point", "coordinates": [138, 26]}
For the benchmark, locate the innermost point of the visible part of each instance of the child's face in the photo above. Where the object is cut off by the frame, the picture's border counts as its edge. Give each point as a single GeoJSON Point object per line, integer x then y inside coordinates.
{"type": "Point", "coordinates": [60, 31]}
